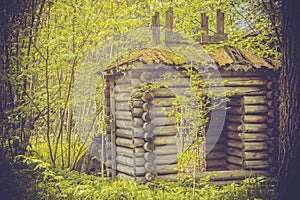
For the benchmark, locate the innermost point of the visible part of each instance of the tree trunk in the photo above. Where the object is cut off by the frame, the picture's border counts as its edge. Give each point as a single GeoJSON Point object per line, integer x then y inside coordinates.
{"type": "Point", "coordinates": [289, 140]}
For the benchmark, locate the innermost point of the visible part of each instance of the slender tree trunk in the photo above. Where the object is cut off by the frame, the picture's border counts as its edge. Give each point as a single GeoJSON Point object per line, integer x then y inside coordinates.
{"type": "Point", "coordinates": [289, 139]}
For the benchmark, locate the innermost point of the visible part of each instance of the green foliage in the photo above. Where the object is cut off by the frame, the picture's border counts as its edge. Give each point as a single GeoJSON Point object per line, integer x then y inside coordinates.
{"type": "Point", "coordinates": [35, 179]}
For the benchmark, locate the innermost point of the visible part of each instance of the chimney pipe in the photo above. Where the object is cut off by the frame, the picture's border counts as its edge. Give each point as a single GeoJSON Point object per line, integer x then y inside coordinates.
{"type": "Point", "coordinates": [156, 28]}
{"type": "Point", "coordinates": [220, 22]}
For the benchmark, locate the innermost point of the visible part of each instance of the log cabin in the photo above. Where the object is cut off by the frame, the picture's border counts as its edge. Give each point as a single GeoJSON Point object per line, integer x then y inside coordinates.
{"type": "Point", "coordinates": [142, 139]}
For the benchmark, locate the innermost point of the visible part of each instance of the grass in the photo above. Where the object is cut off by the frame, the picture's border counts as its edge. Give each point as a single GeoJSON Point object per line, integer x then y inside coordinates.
{"type": "Point", "coordinates": [31, 178]}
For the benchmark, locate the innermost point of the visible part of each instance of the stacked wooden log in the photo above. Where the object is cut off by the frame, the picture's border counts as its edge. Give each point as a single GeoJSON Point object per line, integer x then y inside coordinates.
{"type": "Point", "coordinates": [251, 122]}
{"type": "Point", "coordinates": [273, 120]}
{"type": "Point", "coordinates": [141, 141]}
{"type": "Point", "coordinates": [165, 132]}
{"type": "Point", "coordinates": [145, 134]}
{"type": "Point", "coordinates": [129, 131]}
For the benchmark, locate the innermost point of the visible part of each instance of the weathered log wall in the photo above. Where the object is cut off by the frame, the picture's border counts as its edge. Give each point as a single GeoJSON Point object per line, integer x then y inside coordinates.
{"type": "Point", "coordinates": [141, 136]}
{"type": "Point", "coordinates": [251, 123]}
{"type": "Point", "coordinates": [145, 134]}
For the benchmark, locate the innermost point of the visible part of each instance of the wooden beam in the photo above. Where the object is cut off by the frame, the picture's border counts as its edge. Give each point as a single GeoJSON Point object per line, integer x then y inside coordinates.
{"type": "Point", "coordinates": [113, 128]}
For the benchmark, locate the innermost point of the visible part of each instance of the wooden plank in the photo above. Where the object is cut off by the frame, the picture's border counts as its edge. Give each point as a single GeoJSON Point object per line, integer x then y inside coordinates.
{"type": "Point", "coordinates": [233, 110]}
{"type": "Point", "coordinates": [127, 133]}
{"type": "Point", "coordinates": [164, 102]}
{"type": "Point", "coordinates": [253, 128]}
{"type": "Point", "coordinates": [138, 132]}
{"type": "Point", "coordinates": [255, 146]}
{"type": "Point", "coordinates": [130, 143]}
{"type": "Point", "coordinates": [255, 118]}
{"type": "Point", "coordinates": [139, 179]}
{"type": "Point", "coordinates": [254, 137]}
{"type": "Point", "coordinates": [256, 109]}
{"type": "Point", "coordinates": [165, 150]}
{"type": "Point", "coordinates": [164, 121]}
{"type": "Point", "coordinates": [124, 106]}
{"type": "Point", "coordinates": [137, 122]}
{"type": "Point", "coordinates": [216, 155]}
{"type": "Point", "coordinates": [234, 135]}
{"type": "Point", "coordinates": [123, 88]}
{"type": "Point", "coordinates": [126, 124]}
{"type": "Point", "coordinates": [163, 92]}
{"type": "Point", "coordinates": [244, 81]}
{"type": "Point", "coordinates": [122, 97]}
{"type": "Point", "coordinates": [248, 109]}
{"type": "Point", "coordinates": [135, 83]}
{"type": "Point", "coordinates": [161, 111]}
{"type": "Point", "coordinates": [246, 118]}
{"type": "Point", "coordinates": [167, 169]}
{"type": "Point", "coordinates": [257, 164]}
{"type": "Point", "coordinates": [231, 175]}
{"type": "Point", "coordinates": [124, 79]}
{"type": "Point", "coordinates": [233, 127]}
{"type": "Point", "coordinates": [131, 161]}
{"type": "Point", "coordinates": [235, 152]}
{"type": "Point", "coordinates": [232, 167]}
{"type": "Point", "coordinates": [255, 100]}
{"type": "Point", "coordinates": [260, 155]}
{"type": "Point", "coordinates": [113, 127]}
{"type": "Point", "coordinates": [166, 159]}
{"type": "Point", "coordinates": [165, 140]}
{"type": "Point", "coordinates": [218, 176]}
{"type": "Point", "coordinates": [215, 163]}
{"type": "Point", "coordinates": [235, 144]}
{"type": "Point", "coordinates": [165, 130]}
{"type": "Point", "coordinates": [130, 152]}
{"type": "Point", "coordinates": [235, 160]}
{"type": "Point", "coordinates": [133, 171]}
{"type": "Point", "coordinates": [249, 74]}
{"type": "Point", "coordinates": [126, 115]}
{"type": "Point", "coordinates": [136, 103]}
{"type": "Point", "coordinates": [249, 91]}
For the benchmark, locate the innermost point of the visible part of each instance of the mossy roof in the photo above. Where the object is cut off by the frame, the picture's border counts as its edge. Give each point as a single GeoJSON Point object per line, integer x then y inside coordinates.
{"type": "Point", "coordinates": [227, 58]}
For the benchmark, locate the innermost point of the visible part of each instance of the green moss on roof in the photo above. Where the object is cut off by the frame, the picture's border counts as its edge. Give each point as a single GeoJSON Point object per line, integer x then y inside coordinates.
{"type": "Point", "coordinates": [159, 55]}
{"type": "Point", "coordinates": [227, 57]}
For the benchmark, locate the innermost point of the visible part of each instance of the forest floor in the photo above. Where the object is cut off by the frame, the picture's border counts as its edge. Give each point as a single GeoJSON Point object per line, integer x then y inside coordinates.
{"type": "Point", "coordinates": [32, 178]}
